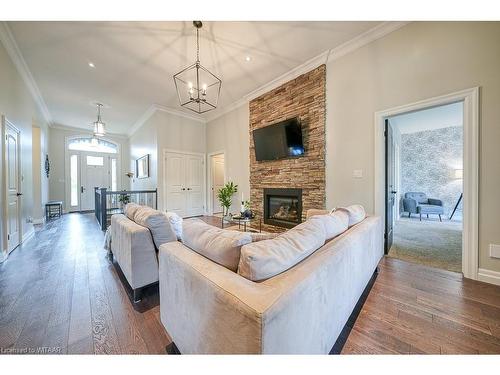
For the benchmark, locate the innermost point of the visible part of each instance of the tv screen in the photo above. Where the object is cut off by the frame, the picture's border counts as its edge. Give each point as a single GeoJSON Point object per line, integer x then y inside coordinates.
{"type": "Point", "coordinates": [278, 141]}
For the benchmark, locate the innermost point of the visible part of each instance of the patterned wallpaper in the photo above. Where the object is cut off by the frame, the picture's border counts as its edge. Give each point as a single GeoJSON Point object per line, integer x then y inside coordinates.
{"type": "Point", "coordinates": [428, 161]}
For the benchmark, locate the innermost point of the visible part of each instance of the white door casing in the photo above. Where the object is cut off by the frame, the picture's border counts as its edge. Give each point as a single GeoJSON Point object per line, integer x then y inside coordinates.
{"type": "Point", "coordinates": [470, 98]}
{"type": "Point", "coordinates": [85, 176]}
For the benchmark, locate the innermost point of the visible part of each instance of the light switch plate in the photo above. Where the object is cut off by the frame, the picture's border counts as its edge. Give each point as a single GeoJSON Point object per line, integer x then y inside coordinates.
{"type": "Point", "coordinates": [357, 173]}
{"type": "Point", "coordinates": [494, 251]}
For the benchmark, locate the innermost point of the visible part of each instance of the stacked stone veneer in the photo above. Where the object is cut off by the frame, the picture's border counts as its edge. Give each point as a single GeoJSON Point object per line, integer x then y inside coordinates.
{"type": "Point", "coordinates": [302, 97]}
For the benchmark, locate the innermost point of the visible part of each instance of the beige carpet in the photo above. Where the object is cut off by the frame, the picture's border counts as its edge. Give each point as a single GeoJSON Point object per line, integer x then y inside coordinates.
{"type": "Point", "coordinates": [429, 242]}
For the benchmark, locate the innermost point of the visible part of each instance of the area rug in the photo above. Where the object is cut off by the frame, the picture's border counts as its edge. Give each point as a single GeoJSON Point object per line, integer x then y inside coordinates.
{"type": "Point", "coordinates": [428, 242]}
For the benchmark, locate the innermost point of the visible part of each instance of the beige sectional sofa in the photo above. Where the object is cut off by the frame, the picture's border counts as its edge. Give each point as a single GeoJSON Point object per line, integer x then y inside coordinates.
{"type": "Point", "coordinates": [135, 238]}
{"type": "Point", "coordinates": [284, 298]}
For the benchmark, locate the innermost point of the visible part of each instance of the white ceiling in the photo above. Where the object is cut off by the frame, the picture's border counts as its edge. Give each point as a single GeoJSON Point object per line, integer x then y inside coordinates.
{"type": "Point", "coordinates": [428, 119]}
{"type": "Point", "coordinates": [135, 61]}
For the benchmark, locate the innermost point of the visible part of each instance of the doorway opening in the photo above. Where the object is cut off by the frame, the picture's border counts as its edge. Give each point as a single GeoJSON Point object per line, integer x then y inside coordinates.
{"type": "Point", "coordinates": [217, 180]}
{"type": "Point", "coordinates": [91, 163]}
{"type": "Point", "coordinates": [424, 185]}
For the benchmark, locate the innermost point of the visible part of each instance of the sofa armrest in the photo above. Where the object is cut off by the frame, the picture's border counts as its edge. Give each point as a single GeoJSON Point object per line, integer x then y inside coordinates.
{"type": "Point", "coordinates": [207, 308]}
{"type": "Point", "coordinates": [435, 202]}
{"type": "Point", "coordinates": [313, 211]}
{"type": "Point", "coordinates": [410, 205]}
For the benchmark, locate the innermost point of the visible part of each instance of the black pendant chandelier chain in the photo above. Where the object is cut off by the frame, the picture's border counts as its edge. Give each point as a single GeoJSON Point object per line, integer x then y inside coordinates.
{"type": "Point", "coordinates": [197, 45]}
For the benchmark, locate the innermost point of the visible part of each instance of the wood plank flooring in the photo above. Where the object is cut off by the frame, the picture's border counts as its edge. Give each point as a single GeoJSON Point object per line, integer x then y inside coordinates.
{"type": "Point", "coordinates": [60, 293]}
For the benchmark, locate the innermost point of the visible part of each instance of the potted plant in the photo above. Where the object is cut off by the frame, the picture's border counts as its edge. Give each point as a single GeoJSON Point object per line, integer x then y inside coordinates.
{"type": "Point", "coordinates": [124, 199]}
{"type": "Point", "coordinates": [225, 197]}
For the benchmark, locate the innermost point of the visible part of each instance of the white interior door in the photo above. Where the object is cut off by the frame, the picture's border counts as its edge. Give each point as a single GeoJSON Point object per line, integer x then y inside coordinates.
{"type": "Point", "coordinates": [12, 184]}
{"type": "Point", "coordinates": [174, 183]}
{"type": "Point", "coordinates": [194, 185]}
{"type": "Point", "coordinates": [218, 178]}
{"type": "Point", "coordinates": [184, 183]}
{"type": "Point", "coordinates": [94, 173]}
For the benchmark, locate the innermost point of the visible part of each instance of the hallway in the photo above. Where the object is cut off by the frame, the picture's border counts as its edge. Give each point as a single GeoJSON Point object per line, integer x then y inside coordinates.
{"type": "Point", "coordinates": [59, 291]}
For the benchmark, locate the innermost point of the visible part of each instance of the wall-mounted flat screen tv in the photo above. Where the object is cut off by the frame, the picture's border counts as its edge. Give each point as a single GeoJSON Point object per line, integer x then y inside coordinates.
{"type": "Point", "coordinates": [279, 141]}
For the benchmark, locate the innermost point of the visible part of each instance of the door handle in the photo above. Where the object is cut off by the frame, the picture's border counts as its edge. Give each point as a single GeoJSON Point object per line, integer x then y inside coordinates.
{"type": "Point", "coordinates": [393, 192]}
{"type": "Point", "coordinates": [19, 194]}
{"type": "Point", "coordinates": [189, 188]}
{"type": "Point", "coordinates": [82, 189]}
{"type": "Point", "coordinates": [183, 189]}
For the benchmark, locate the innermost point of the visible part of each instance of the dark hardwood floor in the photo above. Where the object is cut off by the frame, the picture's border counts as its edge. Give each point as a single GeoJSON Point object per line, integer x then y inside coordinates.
{"type": "Point", "coordinates": [59, 290]}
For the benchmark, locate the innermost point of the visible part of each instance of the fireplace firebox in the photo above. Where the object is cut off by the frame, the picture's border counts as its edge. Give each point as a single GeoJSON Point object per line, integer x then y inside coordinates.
{"type": "Point", "coordinates": [283, 207]}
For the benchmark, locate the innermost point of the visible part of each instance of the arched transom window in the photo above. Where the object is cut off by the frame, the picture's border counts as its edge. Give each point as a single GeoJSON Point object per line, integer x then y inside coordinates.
{"type": "Point", "coordinates": [92, 144]}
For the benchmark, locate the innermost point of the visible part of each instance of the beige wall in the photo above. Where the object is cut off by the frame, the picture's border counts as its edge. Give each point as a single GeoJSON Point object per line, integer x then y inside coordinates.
{"type": "Point", "coordinates": [162, 131]}
{"type": "Point", "coordinates": [229, 133]}
{"type": "Point", "coordinates": [418, 61]}
{"type": "Point", "coordinates": [17, 104]}
{"type": "Point", "coordinates": [57, 146]}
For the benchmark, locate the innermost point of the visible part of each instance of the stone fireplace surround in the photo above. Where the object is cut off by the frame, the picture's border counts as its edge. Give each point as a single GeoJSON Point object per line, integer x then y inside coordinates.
{"type": "Point", "coordinates": [302, 97]}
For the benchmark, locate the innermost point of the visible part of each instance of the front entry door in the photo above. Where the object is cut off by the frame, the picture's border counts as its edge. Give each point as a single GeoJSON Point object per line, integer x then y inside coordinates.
{"type": "Point", "coordinates": [390, 193]}
{"type": "Point", "coordinates": [94, 173]}
{"type": "Point", "coordinates": [13, 187]}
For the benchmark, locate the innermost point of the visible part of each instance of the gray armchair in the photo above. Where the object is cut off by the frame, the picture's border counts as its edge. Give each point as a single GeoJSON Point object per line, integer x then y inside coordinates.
{"type": "Point", "coordinates": [418, 203]}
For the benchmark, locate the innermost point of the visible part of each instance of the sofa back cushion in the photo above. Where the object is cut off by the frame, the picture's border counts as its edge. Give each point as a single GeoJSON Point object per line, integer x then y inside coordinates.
{"type": "Point", "coordinates": [157, 223]}
{"type": "Point", "coordinates": [356, 213]}
{"type": "Point", "coordinates": [335, 223]}
{"type": "Point", "coordinates": [219, 245]}
{"type": "Point", "coordinates": [315, 212]}
{"type": "Point", "coordinates": [130, 209]}
{"type": "Point", "coordinates": [264, 259]}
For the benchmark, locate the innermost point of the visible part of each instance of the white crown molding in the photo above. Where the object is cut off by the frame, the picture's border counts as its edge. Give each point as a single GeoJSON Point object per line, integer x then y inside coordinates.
{"type": "Point", "coordinates": [84, 130]}
{"type": "Point", "coordinates": [17, 58]}
{"type": "Point", "coordinates": [180, 113]}
{"type": "Point", "coordinates": [226, 109]}
{"type": "Point", "coordinates": [158, 107]}
{"type": "Point", "coordinates": [359, 41]}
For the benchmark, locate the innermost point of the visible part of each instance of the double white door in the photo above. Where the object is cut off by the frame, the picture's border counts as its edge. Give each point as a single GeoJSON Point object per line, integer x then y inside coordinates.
{"type": "Point", "coordinates": [184, 183]}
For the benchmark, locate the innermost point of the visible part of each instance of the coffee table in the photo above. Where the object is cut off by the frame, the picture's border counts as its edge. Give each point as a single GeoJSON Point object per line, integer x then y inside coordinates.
{"type": "Point", "coordinates": [244, 221]}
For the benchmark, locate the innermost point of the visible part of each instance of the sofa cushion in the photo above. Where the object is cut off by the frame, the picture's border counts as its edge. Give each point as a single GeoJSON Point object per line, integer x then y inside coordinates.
{"type": "Point", "coordinates": [256, 237]}
{"type": "Point", "coordinates": [176, 223]}
{"type": "Point", "coordinates": [314, 212]}
{"type": "Point", "coordinates": [219, 245]}
{"type": "Point", "coordinates": [334, 223]}
{"type": "Point", "coordinates": [356, 213]}
{"type": "Point", "coordinates": [264, 259]}
{"type": "Point", "coordinates": [130, 209]}
{"type": "Point", "coordinates": [157, 223]}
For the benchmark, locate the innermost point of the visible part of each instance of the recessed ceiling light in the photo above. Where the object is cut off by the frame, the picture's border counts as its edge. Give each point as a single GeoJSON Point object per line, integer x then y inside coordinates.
{"type": "Point", "coordinates": [91, 64]}
{"type": "Point", "coordinates": [248, 58]}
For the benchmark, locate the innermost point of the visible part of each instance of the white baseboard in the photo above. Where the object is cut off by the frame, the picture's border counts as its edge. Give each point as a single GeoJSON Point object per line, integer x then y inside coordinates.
{"type": "Point", "coordinates": [28, 235]}
{"type": "Point", "coordinates": [488, 276]}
